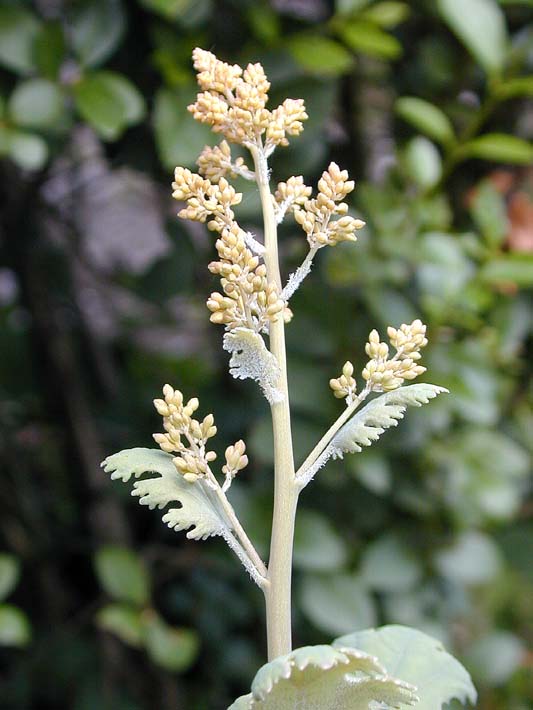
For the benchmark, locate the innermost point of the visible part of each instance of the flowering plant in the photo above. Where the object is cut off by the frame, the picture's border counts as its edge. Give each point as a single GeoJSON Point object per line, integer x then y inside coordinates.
{"type": "Point", "coordinates": [253, 306]}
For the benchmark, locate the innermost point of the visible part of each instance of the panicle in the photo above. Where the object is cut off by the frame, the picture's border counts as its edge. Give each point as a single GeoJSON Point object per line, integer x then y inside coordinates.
{"type": "Point", "coordinates": [324, 218]}
{"type": "Point", "coordinates": [345, 385]}
{"type": "Point", "coordinates": [233, 102]}
{"type": "Point", "coordinates": [384, 374]}
{"type": "Point", "coordinates": [185, 435]}
{"type": "Point", "coordinates": [236, 460]}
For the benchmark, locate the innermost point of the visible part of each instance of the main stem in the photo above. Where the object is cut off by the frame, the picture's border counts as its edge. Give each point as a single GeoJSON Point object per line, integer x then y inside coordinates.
{"type": "Point", "coordinates": [278, 592]}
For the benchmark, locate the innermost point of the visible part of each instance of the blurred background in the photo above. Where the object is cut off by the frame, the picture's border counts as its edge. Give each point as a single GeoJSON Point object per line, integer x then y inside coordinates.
{"type": "Point", "coordinates": [429, 105]}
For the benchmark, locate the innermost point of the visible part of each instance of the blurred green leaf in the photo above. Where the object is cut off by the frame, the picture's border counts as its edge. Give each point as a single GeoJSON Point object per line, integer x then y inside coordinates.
{"type": "Point", "coordinates": [179, 137]}
{"type": "Point", "coordinates": [387, 565]}
{"type": "Point", "coordinates": [473, 559]}
{"type": "Point", "coordinates": [348, 7]}
{"type": "Point", "coordinates": [426, 117]}
{"type": "Point", "coordinates": [501, 147]}
{"type": "Point", "coordinates": [96, 28]}
{"type": "Point", "coordinates": [18, 30]}
{"type": "Point", "coordinates": [15, 628]}
{"type": "Point", "coordinates": [123, 621]}
{"type": "Point", "coordinates": [320, 55]}
{"type": "Point", "coordinates": [317, 546]}
{"type": "Point", "coordinates": [336, 603]}
{"type": "Point", "coordinates": [495, 657]}
{"type": "Point", "coordinates": [512, 88]}
{"type": "Point", "coordinates": [27, 150]}
{"type": "Point", "coordinates": [417, 659]}
{"type": "Point", "coordinates": [9, 574]}
{"type": "Point", "coordinates": [264, 21]}
{"type": "Point", "coordinates": [489, 212]}
{"type": "Point", "coordinates": [367, 38]}
{"type": "Point", "coordinates": [423, 162]}
{"type": "Point", "coordinates": [122, 574]}
{"type": "Point", "coordinates": [387, 14]}
{"type": "Point", "coordinates": [480, 25]}
{"type": "Point", "coordinates": [49, 50]}
{"type": "Point", "coordinates": [513, 269]}
{"type": "Point", "coordinates": [174, 649]}
{"type": "Point", "coordinates": [109, 102]}
{"type": "Point", "coordinates": [36, 103]}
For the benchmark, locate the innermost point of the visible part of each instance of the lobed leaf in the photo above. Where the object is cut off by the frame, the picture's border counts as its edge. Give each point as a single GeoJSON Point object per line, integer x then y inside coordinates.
{"type": "Point", "coordinates": [417, 658]}
{"type": "Point", "coordinates": [318, 677]}
{"type": "Point", "coordinates": [250, 359]}
{"type": "Point", "coordinates": [200, 512]}
{"type": "Point", "coordinates": [380, 414]}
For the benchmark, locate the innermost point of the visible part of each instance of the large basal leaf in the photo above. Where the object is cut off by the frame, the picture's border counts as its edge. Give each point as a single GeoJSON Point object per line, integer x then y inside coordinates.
{"type": "Point", "coordinates": [200, 512]}
{"type": "Point", "coordinates": [320, 677]}
{"type": "Point", "coordinates": [417, 659]}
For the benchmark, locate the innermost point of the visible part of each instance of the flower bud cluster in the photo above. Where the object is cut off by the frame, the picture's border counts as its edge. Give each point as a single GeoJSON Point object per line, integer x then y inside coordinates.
{"type": "Point", "coordinates": [236, 460]}
{"type": "Point", "coordinates": [345, 386]}
{"type": "Point", "coordinates": [185, 435]}
{"type": "Point", "coordinates": [216, 163]}
{"type": "Point", "coordinates": [315, 216]}
{"type": "Point", "coordinates": [248, 300]}
{"type": "Point", "coordinates": [384, 374]}
{"type": "Point", "coordinates": [290, 196]}
{"type": "Point", "coordinates": [233, 102]}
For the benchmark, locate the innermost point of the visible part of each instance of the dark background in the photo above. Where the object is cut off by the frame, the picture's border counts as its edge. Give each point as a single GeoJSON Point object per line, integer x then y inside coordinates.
{"type": "Point", "coordinates": [102, 294]}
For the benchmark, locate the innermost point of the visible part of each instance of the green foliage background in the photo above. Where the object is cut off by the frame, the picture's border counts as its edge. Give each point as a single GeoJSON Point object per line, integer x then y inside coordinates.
{"type": "Point", "coordinates": [429, 106]}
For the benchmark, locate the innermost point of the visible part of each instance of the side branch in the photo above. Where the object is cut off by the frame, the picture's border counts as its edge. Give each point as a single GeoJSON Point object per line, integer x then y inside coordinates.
{"type": "Point", "coordinates": [313, 458]}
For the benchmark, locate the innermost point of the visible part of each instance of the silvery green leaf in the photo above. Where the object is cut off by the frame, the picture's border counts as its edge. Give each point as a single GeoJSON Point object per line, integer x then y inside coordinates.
{"type": "Point", "coordinates": [200, 512]}
{"type": "Point", "coordinates": [367, 425]}
{"type": "Point", "coordinates": [250, 359]}
{"type": "Point", "coordinates": [319, 677]}
{"type": "Point", "coordinates": [417, 659]}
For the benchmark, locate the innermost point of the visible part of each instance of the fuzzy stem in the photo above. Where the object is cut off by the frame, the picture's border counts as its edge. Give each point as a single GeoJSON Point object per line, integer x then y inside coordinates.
{"type": "Point", "coordinates": [278, 593]}
{"type": "Point", "coordinates": [328, 436]}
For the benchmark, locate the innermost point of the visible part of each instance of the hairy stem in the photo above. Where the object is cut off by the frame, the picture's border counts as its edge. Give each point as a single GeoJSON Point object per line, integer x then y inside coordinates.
{"type": "Point", "coordinates": [328, 436]}
{"type": "Point", "coordinates": [278, 593]}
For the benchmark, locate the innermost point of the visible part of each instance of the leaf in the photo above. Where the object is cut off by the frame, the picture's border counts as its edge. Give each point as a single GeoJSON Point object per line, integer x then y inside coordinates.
{"type": "Point", "coordinates": [49, 50]}
{"type": "Point", "coordinates": [367, 425]}
{"type": "Point", "coordinates": [426, 117]}
{"type": "Point", "coordinates": [494, 658]}
{"type": "Point", "coordinates": [317, 547]}
{"type": "Point", "coordinates": [418, 659]}
{"type": "Point", "coordinates": [473, 559]}
{"type": "Point", "coordinates": [489, 212]}
{"type": "Point", "coordinates": [29, 151]}
{"type": "Point", "coordinates": [200, 510]}
{"type": "Point", "coordinates": [512, 88]}
{"type": "Point", "coordinates": [387, 14]}
{"type": "Point", "coordinates": [174, 649]}
{"type": "Point", "coordinates": [480, 25]}
{"type": "Point", "coordinates": [250, 359]}
{"type": "Point", "coordinates": [368, 39]}
{"type": "Point", "coordinates": [9, 574]}
{"type": "Point", "coordinates": [123, 621]}
{"type": "Point", "coordinates": [380, 414]}
{"type": "Point", "coordinates": [423, 162]}
{"type": "Point", "coordinates": [36, 103]}
{"type": "Point", "coordinates": [179, 138]}
{"type": "Point", "coordinates": [388, 565]}
{"type": "Point", "coordinates": [320, 677]}
{"type": "Point", "coordinates": [320, 55]}
{"type": "Point", "coordinates": [337, 602]}
{"type": "Point", "coordinates": [18, 29]}
{"type": "Point", "coordinates": [15, 628]}
{"type": "Point", "coordinates": [501, 148]}
{"type": "Point", "coordinates": [109, 102]}
{"type": "Point", "coordinates": [514, 269]}
{"type": "Point", "coordinates": [95, 29]}
{"type": "Point", "coordinates": [122, 574]}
